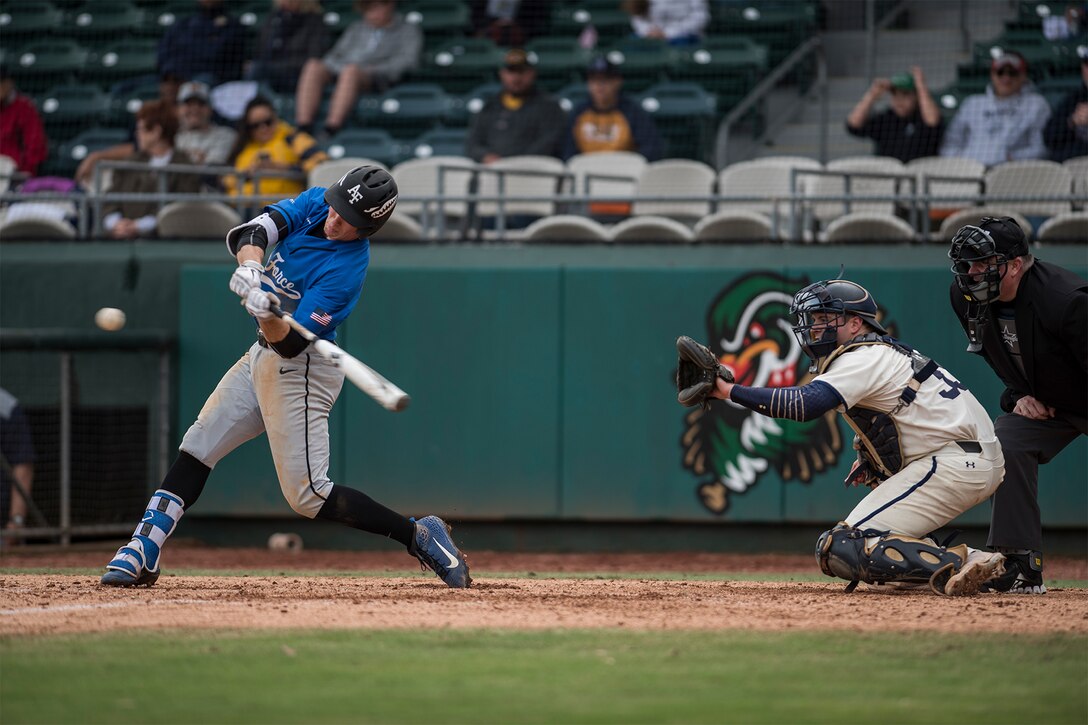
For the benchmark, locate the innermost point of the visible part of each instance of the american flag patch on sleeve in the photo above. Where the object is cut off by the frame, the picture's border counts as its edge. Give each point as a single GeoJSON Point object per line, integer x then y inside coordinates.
{"type": "Point", "coordinates": [321, 317]}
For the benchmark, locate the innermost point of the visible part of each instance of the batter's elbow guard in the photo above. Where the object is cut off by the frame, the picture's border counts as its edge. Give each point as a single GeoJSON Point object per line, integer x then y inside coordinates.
{"type": "Point", "coordinates": [260, 232]}
{"type": "Point", "coordinates": [291, 345]}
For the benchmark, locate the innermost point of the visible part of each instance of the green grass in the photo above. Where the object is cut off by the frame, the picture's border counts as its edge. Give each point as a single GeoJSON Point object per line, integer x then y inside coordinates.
{"type": "Point", "coordinates": [570, 676]}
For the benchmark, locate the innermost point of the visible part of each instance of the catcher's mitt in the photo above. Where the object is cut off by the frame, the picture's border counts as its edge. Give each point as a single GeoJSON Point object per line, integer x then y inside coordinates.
{"type": "Point", "coordinates": [696, 372]}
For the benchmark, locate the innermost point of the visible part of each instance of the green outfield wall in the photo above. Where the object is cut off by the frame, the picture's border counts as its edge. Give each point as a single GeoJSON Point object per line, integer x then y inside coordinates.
{"type": "Point", "coordinates": [541, 378]}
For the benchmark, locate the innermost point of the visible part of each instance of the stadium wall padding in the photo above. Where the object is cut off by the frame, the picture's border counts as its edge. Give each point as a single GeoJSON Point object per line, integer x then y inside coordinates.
{"type": "Point", "coordinates": [541, 377]}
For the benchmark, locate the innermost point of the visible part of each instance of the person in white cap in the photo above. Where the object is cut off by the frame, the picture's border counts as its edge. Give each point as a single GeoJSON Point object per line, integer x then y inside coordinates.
{"type": "Point", "coordinates": [204, 141]}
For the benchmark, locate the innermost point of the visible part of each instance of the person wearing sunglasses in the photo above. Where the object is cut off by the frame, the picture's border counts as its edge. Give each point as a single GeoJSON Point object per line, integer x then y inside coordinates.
{"type": "Point", "coordinates": [1003, 124]}
{"type": "Point", "coordinates": [1066, 134]}
{"type": "Point", "coordinates": [267, 144]}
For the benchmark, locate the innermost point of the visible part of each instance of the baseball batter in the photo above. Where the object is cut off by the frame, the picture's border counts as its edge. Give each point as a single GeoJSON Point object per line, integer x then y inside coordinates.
{"type": "Point", "coordinates": [318, 252]}
{"type": "Point", "coordinates": [926, 446]}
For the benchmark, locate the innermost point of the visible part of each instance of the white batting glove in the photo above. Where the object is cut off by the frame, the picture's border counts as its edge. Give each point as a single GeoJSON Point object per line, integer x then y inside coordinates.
{"type": "Point", "coordinates": [246, 277]}
{"type": "Point", "coordinates": [260, 303]}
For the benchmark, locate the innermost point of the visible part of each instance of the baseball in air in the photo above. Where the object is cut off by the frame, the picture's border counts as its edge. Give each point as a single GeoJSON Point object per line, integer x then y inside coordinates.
{"type": "Point", "coordinates": [110, 318]}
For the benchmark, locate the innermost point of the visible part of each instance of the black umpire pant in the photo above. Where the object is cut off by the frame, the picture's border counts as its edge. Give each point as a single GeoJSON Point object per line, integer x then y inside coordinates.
{"type": "Point", "coordinates": [1015, 522]}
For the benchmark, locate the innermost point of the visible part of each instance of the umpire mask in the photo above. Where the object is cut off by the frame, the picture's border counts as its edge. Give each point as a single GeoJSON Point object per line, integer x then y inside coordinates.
{"type": "Point", "coordinates": [980, 256]}
{"type": "Point", "coordinates": [820, 309]}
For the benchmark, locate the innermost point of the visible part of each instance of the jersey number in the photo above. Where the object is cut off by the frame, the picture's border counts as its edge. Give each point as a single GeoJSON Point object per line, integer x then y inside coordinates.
{"type": "Point", "coordinates": [954, 386]}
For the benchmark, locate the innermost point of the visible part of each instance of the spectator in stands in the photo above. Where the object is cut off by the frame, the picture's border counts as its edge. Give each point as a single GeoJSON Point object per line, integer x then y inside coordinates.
{"type": "Point", "coordinates": [17, 449]}
{"type": "Point", "coordinates": [204, 141]}
{"type": "Point", "coordinates": [1003, 124]}
{"type": "Point", "coordinates": [1066, 133]}
{"type": "Point", "coordinates": [609, 120]}
{"type": "Point", "coordinates": [156, 128]}
{"type": "Point", "coordinates": [909, 128]}
{"type": "Point", "coordinates": [1073, 23]}
{"type": "Point", "coordinates": [510, 23]}
{"type": "Point", "coordinates": [169, 85]}
{"type": "Point", "coordinates": [22, 136]}
{"type": "Point", "coordinates": [292, 34]}
{"type": "Point", "coordinates": [265, 143]}
{"type": "Point", "coordinates": [371, 55]}
{"type": "Point", "coordinates": [678, 22]}
{"type": "Point", "coordinates": [208, 45]}
{"type": "Point", "coordinates": [519, 120]}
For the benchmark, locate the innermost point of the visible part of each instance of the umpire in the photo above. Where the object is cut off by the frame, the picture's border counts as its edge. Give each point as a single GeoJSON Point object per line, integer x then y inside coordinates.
{"type": "Point", "coordinates": [1029, 320]}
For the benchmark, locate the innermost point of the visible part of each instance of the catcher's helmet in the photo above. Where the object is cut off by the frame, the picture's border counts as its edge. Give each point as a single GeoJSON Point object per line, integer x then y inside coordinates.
{"type": "Point", "coordinates": [364, 197]}
{"type": "Point", "coordinates": [837, 297]}
{"type": "Point", "coordinates": [994, 240]}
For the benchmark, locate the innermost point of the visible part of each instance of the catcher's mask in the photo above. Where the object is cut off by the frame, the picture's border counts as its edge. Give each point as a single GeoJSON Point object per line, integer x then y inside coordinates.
{"type": "Point", "coordinates": [986, 249]}
{"type": "Point", "coordinates": [832, 300]}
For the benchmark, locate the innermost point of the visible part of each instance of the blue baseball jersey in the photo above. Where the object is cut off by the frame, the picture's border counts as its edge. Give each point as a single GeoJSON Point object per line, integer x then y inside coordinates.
{"type": "Point", "coordinates": [318, 280]}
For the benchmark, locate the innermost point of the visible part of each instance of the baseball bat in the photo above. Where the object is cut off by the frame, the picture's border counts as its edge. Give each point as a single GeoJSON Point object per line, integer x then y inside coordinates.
{"type": "Point", "coordinates": [387, 395]}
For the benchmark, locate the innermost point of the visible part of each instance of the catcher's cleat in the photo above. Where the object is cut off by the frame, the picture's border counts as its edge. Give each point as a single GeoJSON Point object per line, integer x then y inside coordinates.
{"type": "Point", "coordinates": [119, 578]}
{"type": "Point", "coordinates": [435, 550]}
{"type": "Point", "coordinates": [1023, 575]}
{"type": "Point", "coordinates": [980, 567]}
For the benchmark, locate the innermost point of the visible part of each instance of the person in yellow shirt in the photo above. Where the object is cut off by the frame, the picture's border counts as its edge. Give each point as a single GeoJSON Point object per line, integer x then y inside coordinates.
{"type": "Point", "coordinates": [267, 144]}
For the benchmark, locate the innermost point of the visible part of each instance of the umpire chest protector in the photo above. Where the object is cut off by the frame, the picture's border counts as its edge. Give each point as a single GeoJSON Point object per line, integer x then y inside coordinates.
{"type": "Point", "coordinates": [876, 431]}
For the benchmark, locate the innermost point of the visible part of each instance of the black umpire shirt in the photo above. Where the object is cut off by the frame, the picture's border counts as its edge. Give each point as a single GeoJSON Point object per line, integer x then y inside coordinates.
{"type": "Point", "coordinates": [1051, 314]}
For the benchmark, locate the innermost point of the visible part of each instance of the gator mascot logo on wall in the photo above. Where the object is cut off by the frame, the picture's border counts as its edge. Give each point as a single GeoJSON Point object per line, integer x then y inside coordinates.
{"type": "Point", "coordinates": [731, 447]}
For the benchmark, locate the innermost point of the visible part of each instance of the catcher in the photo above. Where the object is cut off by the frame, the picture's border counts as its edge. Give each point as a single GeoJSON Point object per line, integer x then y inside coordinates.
{"type": "Point", "coordinates": [926, 446]}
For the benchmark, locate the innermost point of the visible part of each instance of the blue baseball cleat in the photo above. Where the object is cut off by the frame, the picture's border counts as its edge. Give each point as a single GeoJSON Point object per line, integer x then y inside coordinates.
{"type": "Point", "coordinates": [435, 550]}
{"type": "Point", "coordinates": [129, 567]}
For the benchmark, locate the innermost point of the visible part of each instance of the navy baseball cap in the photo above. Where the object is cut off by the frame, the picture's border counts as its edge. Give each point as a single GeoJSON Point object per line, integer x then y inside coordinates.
{"type": "Point", "coordinates": [1009, 238]}
{"type": "Point", "coordinates": [601, 66]}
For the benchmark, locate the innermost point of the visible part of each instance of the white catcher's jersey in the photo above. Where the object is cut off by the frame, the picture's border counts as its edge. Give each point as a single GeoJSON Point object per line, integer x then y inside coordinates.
{"type": "Point", "coordinates": [944, 411]}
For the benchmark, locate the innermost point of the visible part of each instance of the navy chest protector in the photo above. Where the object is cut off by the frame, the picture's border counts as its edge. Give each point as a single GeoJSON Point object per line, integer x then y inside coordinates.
{"type": "Point", "coordinates": [876, 431]}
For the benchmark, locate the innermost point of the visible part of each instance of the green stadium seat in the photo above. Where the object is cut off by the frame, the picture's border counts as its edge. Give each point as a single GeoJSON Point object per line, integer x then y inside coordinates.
{"type": "Point", "coordinates": [607, 20]}
{"type": "Point", "coordinates": [251, 14]}
{"type": "Point", "coordinates": [68, 109]}
{"type": "Point", "coordinates": [782, 26]}
{"type": "Point", "coordinates": [460, 64]}
{"type": "Point", "coordinates": [370, 143]}
{"type": "Point", "coordinates": [69, 154]}
{"type": "Point", "coordinates": [466, 106]}
{"type": "Point", "coordinates": [684, 114]}
{"type": "Point", "coordinates": [123, 104]}
{"type": "Point", "coordinates": [19, 22]}
{"type": "Point", "coordinates": [45, 63]}
{"type": "Point", "coordinates": [643, 61]}
{"type": "Point", "coordinates": [728, 67]}
{"type": "Point", "coordinates": [119, 60]}
{"type": "Point", "coordinates": [406, 110]}
{"type": "Point", "coordinates": [439, 18]}
{"type": "Point", "coordinates": [440, 142]}
{"type": "Point", "coordinates": [572, 95]}
{"type": "Point", "coordinates": [102, 18]}
{"type": "Point", "coordinates": [559, 60]}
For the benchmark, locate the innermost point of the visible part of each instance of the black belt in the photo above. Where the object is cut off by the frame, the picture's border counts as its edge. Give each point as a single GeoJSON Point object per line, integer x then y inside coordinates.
{"type": "Point", "coordinates": [970, 446]}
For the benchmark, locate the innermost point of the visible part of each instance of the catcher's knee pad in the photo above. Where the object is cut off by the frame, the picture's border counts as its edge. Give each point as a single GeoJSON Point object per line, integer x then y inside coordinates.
{"type": "Point", "coordinates": [875, 557]}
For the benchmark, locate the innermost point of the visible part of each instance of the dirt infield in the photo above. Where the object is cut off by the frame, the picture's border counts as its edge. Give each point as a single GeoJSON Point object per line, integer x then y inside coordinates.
{"type": "Point", "coordinates": [33, 604]}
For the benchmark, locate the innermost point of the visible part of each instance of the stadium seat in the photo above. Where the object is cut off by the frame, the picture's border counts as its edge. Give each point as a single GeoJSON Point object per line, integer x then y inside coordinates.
{"type": "Point", "coordinates": [66, 110]}
{"type": "Point", "coordinates": [733, 225]}
{"type": "Point", "coordinates": [460, 64]}
{"type": "Point", "coordinates": [1078, 169]}
{"type": "Point", "coordinates": [643, 61]}
{"type": "Point", "coordinates": [73, 151]}
{"type": "Point", "coordinates": [675, 178]}
{"type": "Point", "coordinates": [23, 21]}
{"type": "Point", "coordinates": [651, 229]}
{"type": "Point", "coordinates": [118, 60]}
{"type": "Point", "coordinates": [572, 95]}
{"type": "Point", "coordinates": [974, 215]}
{"type": "Point", "coordinates": [860, 186]}
{"type": "Point", "coordinates": [604, 17]}
{"type": "Point", "coordinates": [729, 67]}
{"type": "Point", "coordinates": [8, 167]}
{"type": "Point", "coordinates": [420, 178]}
{"type": "Point", "coordinates": [1034, 178]}
{"type": "Point", "coordinates": [1068, 227]}
{"type": "Point", "coordinates": [196, 220]}
{"type": "Point", "coordinates": [125, 103]}
{"type": "Point", "coordinates": [45, 63]}
{"type": "Point", "coordinates": [440, 142]}
{"type": "Point", "coordinates": [251, 14]}
{"type": "Point", "coordinates": [373, 143]}
{"type": "Point", "coordinates": [464, 107]}
{"type": "Point", "coordinates": [105, 18]}
{"type": "Point", "coordinates": [400, 227]}
{"type": "Point", "coordinates": [780, 26]}
{"type": "Point", "coordinates": [439, 18]}
{"type": "Point", "coordinates": [767, 180]}
{"type": "Point", "coordinates": [559, 60]}
{"type": "Point", "coordinates": [35, 221]}
{"type": "Point", "coordinates": [524, 176]}
{"type": "Point", "coordinates": [405, 110]}
{"type": "Point", "coordinates": [591, 178]}
{"type": "Point", "coordinates": [338, 15]}
{"type": "Point", "coordinates": [684, 115]}
{"type": "Point", "coordinates": [867, 226]}
{"type": "Point", "coordinates": [938, 172]}
{"type": "Point", "coordinates": [566, 228]}
{"type": "Point", "coordinates": [329, 172]}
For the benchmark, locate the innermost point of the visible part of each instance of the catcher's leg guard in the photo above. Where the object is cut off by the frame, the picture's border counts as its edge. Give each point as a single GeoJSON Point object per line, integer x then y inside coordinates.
{"type": "Point", "coordinates": [137, 562]}
{"type": "Point", "coordinates": [876, 557]}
